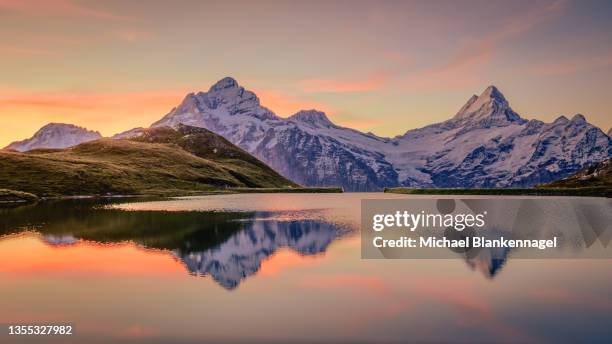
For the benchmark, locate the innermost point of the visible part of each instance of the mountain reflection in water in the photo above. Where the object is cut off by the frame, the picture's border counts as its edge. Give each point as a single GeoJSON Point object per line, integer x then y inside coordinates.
{"type": "Point", "coordinates": [228, 246]}
{"type": "Point", "coordinates": [124, 271]}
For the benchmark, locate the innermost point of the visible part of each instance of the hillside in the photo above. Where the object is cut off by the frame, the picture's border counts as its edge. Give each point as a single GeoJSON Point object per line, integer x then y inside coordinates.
{"type": "Point", "coordinates": [598, 175]}
{"type": "Point", "coordinates": [161, 166]}
{"type": "Point", "coordinates": [205, 144]}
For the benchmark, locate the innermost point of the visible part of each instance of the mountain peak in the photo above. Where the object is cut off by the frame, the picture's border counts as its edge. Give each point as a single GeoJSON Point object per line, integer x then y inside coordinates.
{"type": "Point", "coordinates": [493, 93]}
{"type": "Point", "coordinates": [56, 125]}
{"type": "Point", "coordinates": [578, 118]}
{"type": "Point", "coordinates": [56, 135]}
{"type": "Point", "coordinates": [561, 119]}
{"type": "Point", "coordinates": [313, 117]}
{"type": "Point", "coordinates": [489, 108]}
{"type": "Point", "coordinates": [227, 82]}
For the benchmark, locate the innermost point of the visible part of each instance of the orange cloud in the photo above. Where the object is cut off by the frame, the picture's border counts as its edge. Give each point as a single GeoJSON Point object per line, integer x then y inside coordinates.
{"type": "Point", "coordinates": [18, 50]}
{"type": "Point", "coordinates": [374, 82]}
{"type": "Point", "coordinates": [286, 105]}
{"type": "Point", "coordinates": [87, 100]}
{"type": "Point", "coordinates": [107, 112]}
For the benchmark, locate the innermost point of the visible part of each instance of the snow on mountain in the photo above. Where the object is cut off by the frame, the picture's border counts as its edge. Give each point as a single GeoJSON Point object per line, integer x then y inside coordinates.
{"type": "Point", "coordinates": [241, 255]}
{"type": "Point", "coordinates": [486, 144]}
{"type": "Point", "coordinates": [128, 134]}
{"type": "Point", "coordinates": [55, 135]}
{"type": "Point", "coordinates": [307, 147]}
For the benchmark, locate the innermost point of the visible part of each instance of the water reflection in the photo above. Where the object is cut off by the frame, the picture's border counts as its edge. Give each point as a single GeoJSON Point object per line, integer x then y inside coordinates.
{"type": "Point", "coordinates": [125, 276]}
{"type": "Point", "coordinates": [228, 246]}
{"type": "Point", "coordinates": [241, 255]}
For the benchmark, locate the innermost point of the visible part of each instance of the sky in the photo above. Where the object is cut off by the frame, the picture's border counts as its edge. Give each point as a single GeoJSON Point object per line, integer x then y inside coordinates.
{"type": "Point", "coordinates": [379, 66]}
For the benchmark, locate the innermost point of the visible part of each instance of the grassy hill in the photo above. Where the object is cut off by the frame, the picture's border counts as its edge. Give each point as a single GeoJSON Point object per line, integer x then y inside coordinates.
{"type": "Point", "coordinates": [163, 161]}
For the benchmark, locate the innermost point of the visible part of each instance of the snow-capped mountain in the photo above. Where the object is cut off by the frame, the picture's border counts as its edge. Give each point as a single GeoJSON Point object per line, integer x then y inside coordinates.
{"type": "Point", "coordinates": [306, 147]}
{"type": "Point", "coordinates": [241, 255]}
{"type": "Point", "coordinates": [486, 144]}
{"type": "Point", "coordinates": [55, 135]}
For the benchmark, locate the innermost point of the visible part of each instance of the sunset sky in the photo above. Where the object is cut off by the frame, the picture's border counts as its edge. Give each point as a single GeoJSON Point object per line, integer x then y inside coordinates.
{"type": "Point", "coordinates": [380, 66]}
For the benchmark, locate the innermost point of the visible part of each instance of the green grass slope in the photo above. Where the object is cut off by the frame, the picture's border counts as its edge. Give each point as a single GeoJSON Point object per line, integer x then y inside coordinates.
{"type": "Point", "coordinates": [205, 144]}
{"type": "Point", "coordinates": [135, 167]}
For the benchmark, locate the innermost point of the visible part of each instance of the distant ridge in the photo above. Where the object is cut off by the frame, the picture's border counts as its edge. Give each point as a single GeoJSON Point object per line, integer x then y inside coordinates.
{"type": "Point", "coordinates": [55, 135]}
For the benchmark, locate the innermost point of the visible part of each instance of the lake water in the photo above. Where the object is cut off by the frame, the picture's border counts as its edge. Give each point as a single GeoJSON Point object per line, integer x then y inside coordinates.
{"type": "Point", "coordinates": [274, 268]}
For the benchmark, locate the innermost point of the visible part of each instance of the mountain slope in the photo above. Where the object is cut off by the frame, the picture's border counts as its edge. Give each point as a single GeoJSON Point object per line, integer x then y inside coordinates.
{"type": "Point", "coordinates": [132, 167]}
{"type": "Point", "coordinates": [486, 144]}
{"type": "Point", "coordinates": [55, 135]}
{"type": "Point", "coordinates": [594, 176]}
{"type": "Point", "coordinates": [208, 145]}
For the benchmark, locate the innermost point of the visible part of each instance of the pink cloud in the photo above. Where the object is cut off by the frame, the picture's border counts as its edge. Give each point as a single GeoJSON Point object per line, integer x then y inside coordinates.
{"type": "Point", "coordinates": [285, 104]}
{"type": "Point", "coordinates": [373, 82]}
{"type": "Point", "coordinates": [369, 283]}
{"type": "Point", "coordinates": [570, 66]}
{"type": "Point", "coordinates": [133, 36]}
{"type": "Point", "coordinates": [560, 296]}
{"type": "Point", "coordinates": [58, 7]}
{"type": "Point", "coordinates": [463, 69]}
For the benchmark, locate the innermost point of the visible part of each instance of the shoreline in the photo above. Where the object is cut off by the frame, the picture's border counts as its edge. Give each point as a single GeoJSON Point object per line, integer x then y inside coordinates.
{"type": "Point", "coordinates": [575, 192]}
{"type": "Point", "coordinates": [175, 194]}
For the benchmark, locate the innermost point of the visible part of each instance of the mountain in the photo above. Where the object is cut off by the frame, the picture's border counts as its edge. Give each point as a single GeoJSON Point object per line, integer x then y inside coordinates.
{"type": "Point", "coordinates": [241, 256]}
{"type": "Point", "coordinates": [306, 147]}
{"type": "Point", "coordinates": [596, 175]}
{"type": "Point", "coordinates": [610, 132]}
{"type": "Point", "coordinates": [135, 132]}
{"type": "Point", "coordinates": [156, 164]}
{"type": "Point", "coordinates": [55, 135]}
{"type": "Point", "coordinates": [486, 144]}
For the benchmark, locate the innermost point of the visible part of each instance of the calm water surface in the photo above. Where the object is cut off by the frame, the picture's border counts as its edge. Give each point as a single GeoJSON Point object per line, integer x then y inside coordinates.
{"type": "Point", "coordinates": [274, 268]}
